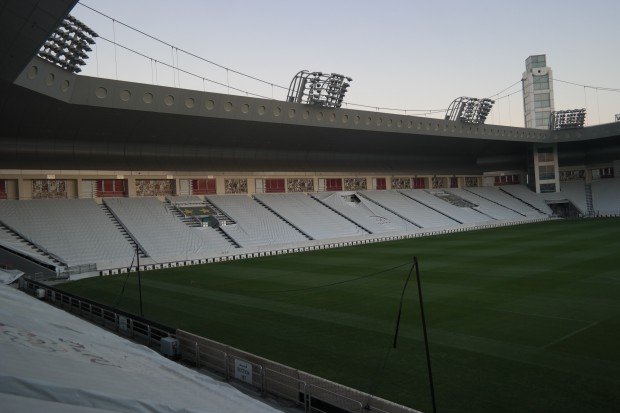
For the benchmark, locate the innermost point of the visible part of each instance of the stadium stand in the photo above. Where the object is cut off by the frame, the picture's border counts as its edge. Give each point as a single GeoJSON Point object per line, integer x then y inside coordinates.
{"type": "Point", "coordinates": [408, 210]}
{"type": "Point", "coordinates": [311, 217]}
{"type": "Point", "coordinates": [606, 196]}
{"type": "Point", "coordinates": [12, 241]}
{"type": "Point", "coordinates": [574, 191]}
{"type": "Point", "coordinates": [484, 205]}
{"type": "Point", "coordinates": [371, 216]}
{"type": "Point", "coordinates": [75, 231]}
{"type": "Point", "coordinates": [524, 194]}
{"type": "Point", "coordinates": [437, 200]}
{"type": "Point", "coordinates": [162, 235]}
{"type": "Point", "coordinates": [494, 194]}
{"type": "Point", "coordinates": [254, 224]}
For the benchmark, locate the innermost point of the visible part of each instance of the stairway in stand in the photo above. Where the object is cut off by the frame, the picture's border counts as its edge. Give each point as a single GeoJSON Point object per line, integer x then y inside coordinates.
{"type": "Point", "coordinates": [123, 231]}
{"type": "Point", "coordinates": [589, 202]}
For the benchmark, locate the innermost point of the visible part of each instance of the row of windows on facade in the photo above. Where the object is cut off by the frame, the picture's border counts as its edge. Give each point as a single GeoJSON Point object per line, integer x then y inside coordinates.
{"type": "Point", "coordinates": [541, 100]}
{"type": "Point", "coordinates": [540, 82]}
{"type": "Point", "coordinates": [545, 154]}
{"type": "Point", "coordinates": [580, 174]}
{"type": "Point", "coordinates": [542, 118]}
{"type": "Point", "coordinates": [546, 172]}
{"type": "Point", "coordinates": [536, 61]}
{"type": "Point", "coordinates": [57, 188]}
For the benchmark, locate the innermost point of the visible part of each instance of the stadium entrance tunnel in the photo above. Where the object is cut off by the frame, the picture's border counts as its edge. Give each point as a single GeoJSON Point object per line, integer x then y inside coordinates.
{"type": "Point", "coordinates": [564, 209]}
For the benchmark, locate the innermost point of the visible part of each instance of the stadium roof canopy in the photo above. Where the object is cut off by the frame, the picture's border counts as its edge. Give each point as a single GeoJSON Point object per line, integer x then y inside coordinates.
{"type": "Point", "coordinates": [54, 119]}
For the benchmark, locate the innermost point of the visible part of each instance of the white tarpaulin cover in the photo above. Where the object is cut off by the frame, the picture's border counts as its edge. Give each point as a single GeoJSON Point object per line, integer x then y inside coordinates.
{"type": "Point", "coordinates": [51, 361]}
{"type": "Point", "coordinates": [8, 276]}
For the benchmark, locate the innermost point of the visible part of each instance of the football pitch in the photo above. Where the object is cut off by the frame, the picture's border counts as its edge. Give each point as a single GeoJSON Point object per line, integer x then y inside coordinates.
{"type": "Point", "coordinates": [520, 319]}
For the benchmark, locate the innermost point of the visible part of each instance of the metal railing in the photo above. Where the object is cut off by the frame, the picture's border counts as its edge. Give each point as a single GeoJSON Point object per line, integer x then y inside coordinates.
{"type": "Point", "coordinates": [300, 389]}
{"type": "Point", "coordinates": [123, 323]}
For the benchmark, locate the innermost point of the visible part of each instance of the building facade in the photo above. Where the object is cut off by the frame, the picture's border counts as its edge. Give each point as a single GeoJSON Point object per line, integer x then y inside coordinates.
{"type": "Point", "coordinates": [537, 83]}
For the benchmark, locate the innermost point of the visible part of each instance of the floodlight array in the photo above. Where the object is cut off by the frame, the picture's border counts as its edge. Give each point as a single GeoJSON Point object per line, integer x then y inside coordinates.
{"type": "Point", "coordinates": [317, 88]}
{"type": "Point", "coordinates": [68, 45]}
{"type": "Point", "coordinates": [469, 110]}
{"type": "Point", "coordinates": [567, 119]}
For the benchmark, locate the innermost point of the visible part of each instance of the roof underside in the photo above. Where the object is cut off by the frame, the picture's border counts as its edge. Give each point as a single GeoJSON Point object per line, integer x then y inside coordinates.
{"type": "Point", "coordinates": [43, 132]}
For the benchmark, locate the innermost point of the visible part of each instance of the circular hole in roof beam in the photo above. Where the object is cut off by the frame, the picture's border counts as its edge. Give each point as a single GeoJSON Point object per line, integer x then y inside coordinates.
{"type": "Point", "coordinates": [101, 92]}
{"type": "Point", "coordinates": [33, 71]}
{"type": "Point", "coordinates": [125, 95]}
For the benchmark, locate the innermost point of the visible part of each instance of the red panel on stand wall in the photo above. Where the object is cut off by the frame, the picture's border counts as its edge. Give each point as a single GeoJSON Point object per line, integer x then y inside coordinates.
{"type": "Point", "coordinates": [333, 184]}
{"type": "Point", "coordinates": [111, 188]}
{"type": "Point", "coordinates": [419, 183]}
{"type": "Point", "coordinates": [380, 183]}
{"type": "Point", "coordinates": [274, 185]}
{"type": "Point", "coordinates": [203, 186]}
{"type": "Point", "coordinates": [506, 180]}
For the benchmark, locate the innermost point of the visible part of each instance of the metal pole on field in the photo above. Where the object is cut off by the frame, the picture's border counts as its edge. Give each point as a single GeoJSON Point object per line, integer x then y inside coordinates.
{"type": "Point", "coordinates": [139, 281]}
{"type": "Point", "coordinates": [428, 354]}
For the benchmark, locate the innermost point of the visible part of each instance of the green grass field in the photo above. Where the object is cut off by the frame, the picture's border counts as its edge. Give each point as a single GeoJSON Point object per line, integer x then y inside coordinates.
{"type": "Point", "coordinates": [520, 319]}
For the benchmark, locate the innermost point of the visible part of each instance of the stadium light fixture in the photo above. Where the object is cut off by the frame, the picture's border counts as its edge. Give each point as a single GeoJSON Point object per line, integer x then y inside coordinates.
{"type": "Point", "coordinates": [68, 45]}
{"type": "Point", "coordinates": [469, 110]}
{"type": "Point", "coordinates": [318, 88]}
{"type": "Point", "coordinates": [567, 119]}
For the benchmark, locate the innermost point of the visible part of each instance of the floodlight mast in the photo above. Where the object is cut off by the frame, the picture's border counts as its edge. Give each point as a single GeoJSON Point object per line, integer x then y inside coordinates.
{"type": "Point", "coordinates": [68, 44]}
{"type": "Point", "coordinates": [469, 110]}
{"type": "Point", "coordinates": [567, 119]}
{"type": "Point", "coordinates": [318, 88]}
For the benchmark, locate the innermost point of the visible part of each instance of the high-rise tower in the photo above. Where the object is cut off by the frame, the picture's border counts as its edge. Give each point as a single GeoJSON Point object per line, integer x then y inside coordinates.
{"type": "Point", "coordinates": [537, 83]}
{"type": "Point", "coordinates": [537, 107]}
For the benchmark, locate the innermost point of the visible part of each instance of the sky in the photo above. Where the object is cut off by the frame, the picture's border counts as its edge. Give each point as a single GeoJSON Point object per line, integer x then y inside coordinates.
{"type": "Point", "coordinates": [404, 56]}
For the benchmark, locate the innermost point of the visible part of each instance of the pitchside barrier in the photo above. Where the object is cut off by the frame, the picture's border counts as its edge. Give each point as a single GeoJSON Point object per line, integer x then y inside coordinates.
{"type": "Point", "coordinates": [315, 245]}
{"type": "Point", "coordinates": [310, 393]}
